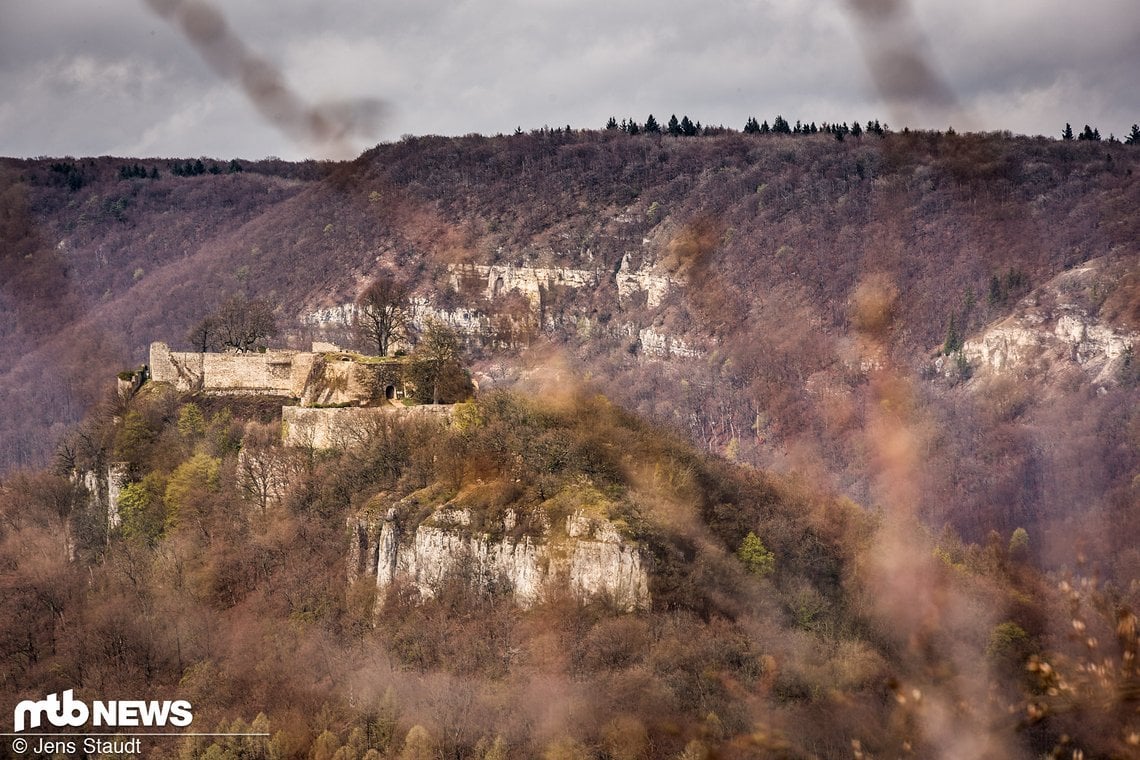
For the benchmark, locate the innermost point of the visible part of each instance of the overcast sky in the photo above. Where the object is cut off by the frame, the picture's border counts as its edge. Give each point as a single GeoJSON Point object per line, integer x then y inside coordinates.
{"type": "Point", "coordinates": [123, 77]}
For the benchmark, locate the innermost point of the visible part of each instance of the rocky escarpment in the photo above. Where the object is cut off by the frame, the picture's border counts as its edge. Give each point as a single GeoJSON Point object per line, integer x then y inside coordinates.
{"type": "Point", "coordinates": [585, 554]}
{"type": "Point", "coordinates": [637, 286]}
{"type": "Point", "coordinates": [1056, 328]}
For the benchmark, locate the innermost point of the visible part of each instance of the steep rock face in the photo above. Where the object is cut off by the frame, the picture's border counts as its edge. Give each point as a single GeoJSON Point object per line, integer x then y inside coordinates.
{"type": "Point", "coordinates": [660, 345]}
{"type": "Point", "coordinates": [343, 428]}
{"type": "Point", "coordinates": [589, 557]}
{"type": "Point", "coordinates": [498, 279]}
{"type": "Point", "coordinates": [104, 487]}
{"type": "Point", "coordinates": [1055, 327]}
{"type": "Point", "coordinates": [632, 281]}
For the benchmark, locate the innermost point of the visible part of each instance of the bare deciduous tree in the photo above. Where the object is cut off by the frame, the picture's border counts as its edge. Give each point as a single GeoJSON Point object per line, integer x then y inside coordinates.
{"type": "Point", "coordinates": [382, 313]}
{"type": "Point", "coordinates": [437, 365]}
{"type": "Point", "coordinates": [239, 323]}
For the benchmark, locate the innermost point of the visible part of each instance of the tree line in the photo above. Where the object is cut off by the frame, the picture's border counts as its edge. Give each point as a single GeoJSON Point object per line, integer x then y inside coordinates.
{"type": "Point", "coordinates": [1092, 134]}
{"type": "Point", "coordinates": [686, 127]}
{"type": "Point", "coordinates": [197, 168]}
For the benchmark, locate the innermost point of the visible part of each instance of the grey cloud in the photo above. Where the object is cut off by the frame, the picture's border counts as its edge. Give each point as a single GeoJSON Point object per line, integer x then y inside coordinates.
{"type": "Point", "coordinates": [82, 76]}
{"type": "Point", "coordinates": [328, 130]}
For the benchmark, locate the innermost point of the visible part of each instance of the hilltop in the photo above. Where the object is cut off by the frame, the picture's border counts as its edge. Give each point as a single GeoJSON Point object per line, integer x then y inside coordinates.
{"type": "Point", "coordinates": [544, 576]}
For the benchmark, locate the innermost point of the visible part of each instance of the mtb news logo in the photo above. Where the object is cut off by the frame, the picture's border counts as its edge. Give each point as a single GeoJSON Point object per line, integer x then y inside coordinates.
{"type": "Point", "coordinates": [71, 712]}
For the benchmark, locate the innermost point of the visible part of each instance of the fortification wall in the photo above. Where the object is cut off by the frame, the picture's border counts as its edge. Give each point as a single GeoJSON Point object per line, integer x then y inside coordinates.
{"type": "Point", "coordinates": [315, 378]}
{"type": "Point", "coordinates": [276, 373]}
{"type": "Point", "coordinates": [340, 380]}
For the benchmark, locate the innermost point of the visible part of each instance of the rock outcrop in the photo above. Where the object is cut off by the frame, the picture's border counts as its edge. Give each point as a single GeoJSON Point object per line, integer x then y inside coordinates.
{"type": "Point", "coordinates": [1055, 327]}
{"type": "Point", "coordinates": [104, 486]}
{"type": "Point", "coordinates": [584, 554]}
{"type": "Point", "coordinates": [345, 427]}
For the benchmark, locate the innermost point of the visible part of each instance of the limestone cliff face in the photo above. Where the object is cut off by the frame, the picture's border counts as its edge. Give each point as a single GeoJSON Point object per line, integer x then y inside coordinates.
{"type": "Point", "coordinates": [1054, 328]}
{"type": "Point", "coordinates": [660, 345]}
{"type": "Point", "coordinates": [499, 279]}
{"type": "Point", "coordinates": [586, 555]}
{"type": "Point", "coordinates": [104, 486]}
{"type": "Point", "coordinates": [638, 284]}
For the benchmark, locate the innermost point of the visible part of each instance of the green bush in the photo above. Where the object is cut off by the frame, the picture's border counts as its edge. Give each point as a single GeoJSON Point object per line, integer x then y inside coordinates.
{"type": "Point", "coordinates": [755, 556]}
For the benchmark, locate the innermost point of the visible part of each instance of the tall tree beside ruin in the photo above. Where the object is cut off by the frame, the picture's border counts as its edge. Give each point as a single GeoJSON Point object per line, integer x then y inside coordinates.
{"type": "Point", "coordinates": [202, 336]}
{"type": "Point", "coordinates": [245, 324]}
{"type": "Point", "coordinates": [241, 324]}
{"type": "Point", "coordinates": [437, 367]}
{"type": "Point", "coordinates": [383, 311]}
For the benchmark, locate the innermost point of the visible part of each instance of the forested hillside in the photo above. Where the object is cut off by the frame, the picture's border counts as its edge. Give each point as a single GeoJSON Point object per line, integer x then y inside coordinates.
{"type": "Point", "coordinates": [767, 238]}
{"type": "Point", "coordinates": [866, 407]}
{"type": "Point", "coordinates": [784, 622]}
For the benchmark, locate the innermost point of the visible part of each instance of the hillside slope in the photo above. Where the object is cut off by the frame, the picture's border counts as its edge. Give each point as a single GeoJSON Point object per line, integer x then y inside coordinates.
{"type": "Point", "coordinates": [766, 239]}
{"type": "Point", "coordinates": [782, 622]}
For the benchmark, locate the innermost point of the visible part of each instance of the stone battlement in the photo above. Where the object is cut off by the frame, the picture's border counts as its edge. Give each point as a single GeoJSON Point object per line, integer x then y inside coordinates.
{"type": "Point", "coordinates": [316, 378]}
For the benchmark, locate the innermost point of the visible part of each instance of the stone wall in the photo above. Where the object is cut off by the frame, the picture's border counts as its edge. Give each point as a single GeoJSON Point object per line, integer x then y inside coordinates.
{"type": "Point", "coordinates": [273, 373]}
{"type": "Point", "coordinates": [337, 379]}
{"type": "Point", "coordinates": [315, 378]}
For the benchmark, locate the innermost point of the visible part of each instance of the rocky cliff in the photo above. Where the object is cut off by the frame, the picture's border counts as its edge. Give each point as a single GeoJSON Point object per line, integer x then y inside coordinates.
{"type": "Point", "coordinates": [1056, 328]}
{"type": "Point", "coordinates": [584, 554]}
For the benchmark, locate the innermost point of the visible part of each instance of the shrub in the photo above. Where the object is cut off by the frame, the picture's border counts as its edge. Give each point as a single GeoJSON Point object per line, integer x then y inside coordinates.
{"type": "Point", "coordinates": [755, 556]}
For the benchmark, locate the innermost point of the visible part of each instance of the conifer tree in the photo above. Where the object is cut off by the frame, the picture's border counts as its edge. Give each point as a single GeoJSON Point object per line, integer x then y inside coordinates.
{"type": "Point", "coordinates": [1133, 136]}
{"type": "Point", "coordinates": [612, 123]}
{"type": "Point", "coordinates": [674, 126]}
{"type": "Point", "coordinates": [757, 558]}
{"type": "Point", "coordinates": [1067, 134]}
{"type": "Point", "coordinates": [953, 340]}
{"type": "Point", "coordinates": [751, 127]}
{"type": "Point", "coordinates": [651, 125]}
{"type": "Point", "coordinates": [688, 128]}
